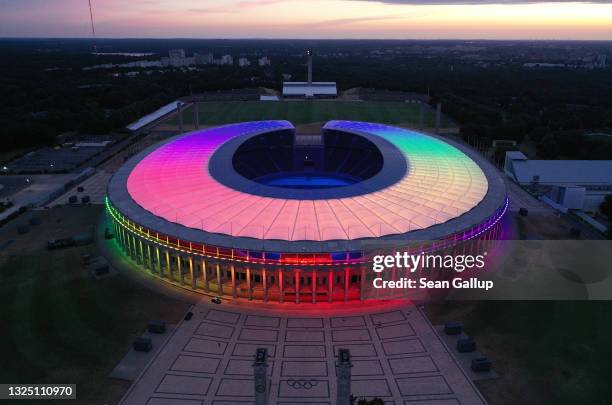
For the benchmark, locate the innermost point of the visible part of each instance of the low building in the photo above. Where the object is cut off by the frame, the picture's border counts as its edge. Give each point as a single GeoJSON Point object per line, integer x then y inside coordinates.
{"type": "Point", "coordinates": [565, 184]}
{"type": "Point", "coordinates": [310, 90]}
{"type": "Point", "coordinates": [244, 62]}
{"type": "Point", "coordinates": [264, 61]}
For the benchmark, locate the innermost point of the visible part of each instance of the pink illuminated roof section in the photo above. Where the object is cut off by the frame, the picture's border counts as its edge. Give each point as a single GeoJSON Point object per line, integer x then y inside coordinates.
{"type": "Point", "coordinates": [173, 182]}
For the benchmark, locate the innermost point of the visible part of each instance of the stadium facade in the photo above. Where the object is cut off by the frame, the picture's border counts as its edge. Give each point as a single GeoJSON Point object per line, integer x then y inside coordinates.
{"type": "Point", "coordinates": [246, 210]}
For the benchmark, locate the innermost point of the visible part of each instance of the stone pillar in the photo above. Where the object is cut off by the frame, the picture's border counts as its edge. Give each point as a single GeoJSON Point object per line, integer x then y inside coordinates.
{"type": "Point", "coordinates": [127, 245]}
{"type": "Point", "coordinates": [169, 265]}
{"type": "Point", "coordinates": [314, 286]}
{"type": "Point", "coordinates": [126, 242]}
{"type": "Point", "coordinates": [343, 377]}
{"type": "Point", "coordinates": [133, 246]}
{"type": "Point", "coordinates": [119, 233]}
{"type": "Point", "coordinates": [346, 284]}
{"type": "Point", "coordinates": [179, 267]}
{"type": "Point", "coordinates": [264, 279]}
{"type": "Point", "coordinates": [192, 274]}
{"type": "Point", "coordinates": [196, 115]}
{"type": "Point", "coordinates": [205, 276]}
{"type": "Point", "coordinates": [219, 283]}
{"type": "Point", "coordinates": [363, 283]}
{"type": "Point", "coordinates": [297, 286]}
{"type": "Point", "coordinates": [249, 286]}
{"type": "Point", "coordinates": [149, 257]}
{"type": "Point", "coordinates": [281, 291]}
{"type": "Point", "coordinates": [141, 253]}
{"type": "Point", "coordinates": [330, 285]}
{"type": "Point", "coordinates": [260, 367]}
{"type": "Point", "coordinates": [158, 261]}
{"type": "Point", "coordinates": [233, 270]}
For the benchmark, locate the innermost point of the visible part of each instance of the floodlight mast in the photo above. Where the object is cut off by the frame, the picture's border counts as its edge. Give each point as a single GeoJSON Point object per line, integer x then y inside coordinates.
{"type": "Point", "coordinates": [93, 30]}
{"type": "Point", "coordinates": [309, 55]}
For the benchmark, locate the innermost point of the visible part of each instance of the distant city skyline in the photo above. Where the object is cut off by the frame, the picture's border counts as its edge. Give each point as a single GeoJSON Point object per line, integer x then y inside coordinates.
{"type": "Point", "coordinates": [316, 19]}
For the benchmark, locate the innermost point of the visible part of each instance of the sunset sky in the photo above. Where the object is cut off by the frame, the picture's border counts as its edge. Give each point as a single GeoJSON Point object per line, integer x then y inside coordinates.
{"type": "Point", "coordinates": [488, 19]}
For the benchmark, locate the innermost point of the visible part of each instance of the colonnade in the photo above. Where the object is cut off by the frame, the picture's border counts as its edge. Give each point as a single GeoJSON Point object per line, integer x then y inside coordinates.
{"type": "Point", "coordinates": [240, 279]}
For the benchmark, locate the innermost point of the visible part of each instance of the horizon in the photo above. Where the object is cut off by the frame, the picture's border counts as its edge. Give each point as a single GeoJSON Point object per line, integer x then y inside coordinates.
{"type": "Point", "coordinates": [343, 19]}
{"type": "Point", "coordinates": [307, 39]}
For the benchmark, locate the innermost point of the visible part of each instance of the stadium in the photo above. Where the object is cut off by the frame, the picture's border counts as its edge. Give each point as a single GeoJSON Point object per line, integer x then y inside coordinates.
{"type": "Point", "coordinates": [256, 211]}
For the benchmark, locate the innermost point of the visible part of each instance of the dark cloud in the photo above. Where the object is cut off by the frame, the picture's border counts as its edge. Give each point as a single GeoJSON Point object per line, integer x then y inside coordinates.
{"type": "Point", "coordinates": [345, 21]}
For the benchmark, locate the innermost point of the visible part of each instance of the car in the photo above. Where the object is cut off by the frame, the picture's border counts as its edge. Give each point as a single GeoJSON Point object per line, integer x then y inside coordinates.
{"type": "Point", "coordinates": [216, 300]}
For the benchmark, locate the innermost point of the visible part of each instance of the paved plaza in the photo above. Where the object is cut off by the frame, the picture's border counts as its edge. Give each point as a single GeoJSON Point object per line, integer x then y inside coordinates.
{"type": "Point", "coordinates": [94, 187]}
{"type": "Point", "coordinates": [396, 355]}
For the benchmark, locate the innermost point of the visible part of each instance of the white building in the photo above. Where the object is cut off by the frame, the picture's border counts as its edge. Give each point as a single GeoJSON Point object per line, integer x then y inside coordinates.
{"type": "Point", "coordinates": [310, 90]}
{"type": "Point", "coordinates": [565, 184]}
{"type": "Point", "coordinates": [264, 61]}
{"type": "Point", "coordinates": [203, 59]}
{"type": "Point", "coordinates": [601, 61]}
{"type": "Point", "coordinates": [225, 60]}
{"type": "Point", "coordinates": [244, 62]}
{"type": "Point", "coordinates": [176, 53]}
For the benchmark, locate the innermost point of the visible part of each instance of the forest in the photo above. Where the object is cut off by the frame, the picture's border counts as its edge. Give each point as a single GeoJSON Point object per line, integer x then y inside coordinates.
{"type": "Point", "coordinates": [45, 90]}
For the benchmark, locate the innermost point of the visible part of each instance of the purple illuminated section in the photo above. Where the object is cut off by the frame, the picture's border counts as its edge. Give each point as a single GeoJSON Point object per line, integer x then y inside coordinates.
{"type": "Point", "coordinates": [174, 183]}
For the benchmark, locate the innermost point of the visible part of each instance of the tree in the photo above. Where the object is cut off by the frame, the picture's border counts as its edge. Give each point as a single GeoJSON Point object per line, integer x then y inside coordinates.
{"type": "Point", "coordinates": [548, 148]}
{"type": "Point", "coordinates": [606, 207]}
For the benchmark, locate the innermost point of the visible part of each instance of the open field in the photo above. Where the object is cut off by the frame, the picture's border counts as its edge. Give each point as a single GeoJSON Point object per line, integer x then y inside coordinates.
{"type": "Point", "coordinates": [303, 112]}
{"type": "Point", "coordinates": [59, 323]}
{"type": "Point", "coordinates": [545, 352]}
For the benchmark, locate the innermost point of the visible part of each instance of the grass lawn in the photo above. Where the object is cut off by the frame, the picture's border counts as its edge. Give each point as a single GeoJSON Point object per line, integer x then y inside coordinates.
{"type": "Point", "coordinates": [59, 324]}
{"type": "Point", "coordinates": [546, 352]}
{"type": "Point", "coordinates": [303, 112]}
{"type": "Point", "coordinates": [8, 155]}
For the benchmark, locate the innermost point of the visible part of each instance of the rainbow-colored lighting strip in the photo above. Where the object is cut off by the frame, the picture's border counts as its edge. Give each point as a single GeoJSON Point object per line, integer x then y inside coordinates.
{"type": "Point", "coordinates": [291, 258]}
{"type": "Point", "coordinates": [173, 182]}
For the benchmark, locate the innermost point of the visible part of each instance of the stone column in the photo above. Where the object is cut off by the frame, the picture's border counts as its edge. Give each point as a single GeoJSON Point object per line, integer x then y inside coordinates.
{"type": "Point", "coordinates": [343, 377]}
{"type": "Point", "coordinates": [314, 286]}
{"type": "Point", "coordinates": [249, 286]}
{"type": "Point", "coordinates": [126, 242]}
{"type": "Point", "coordinates": [260, 376]}
{"type": "Point", "coordinates": [141, 253]}
{"type": "Point", "coordinates": [179, 267]}
{"type": "Point", "coordinates": [297, 286]}
{"type": "Point", "coordinates": [158, 261]}
{"type": "Point", "coordinates": [363, 281]}
{"type": "Point", "coordinates": [119, 233]}
{"type": "Point", "coordinates": [281, 291]}
{"type": "Point", "coordinates": [149, 257]}
{"type": "Point", "coordinates": [168, 265]}
{"type": "Point", "coordinates": [192, 274]}
{"type": "Point", "coordinates": [330, 285]}
{"type": "Point", "coordinates": [233, 270]}
{"type": "Point", "coordinates": [205, 276]}
{"type": "Point", "coordinates": [346, 284]}
{"type": "Point", "coordinates": [264, 279]}
{"type": "Point", "coordinates": [219, 283]}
